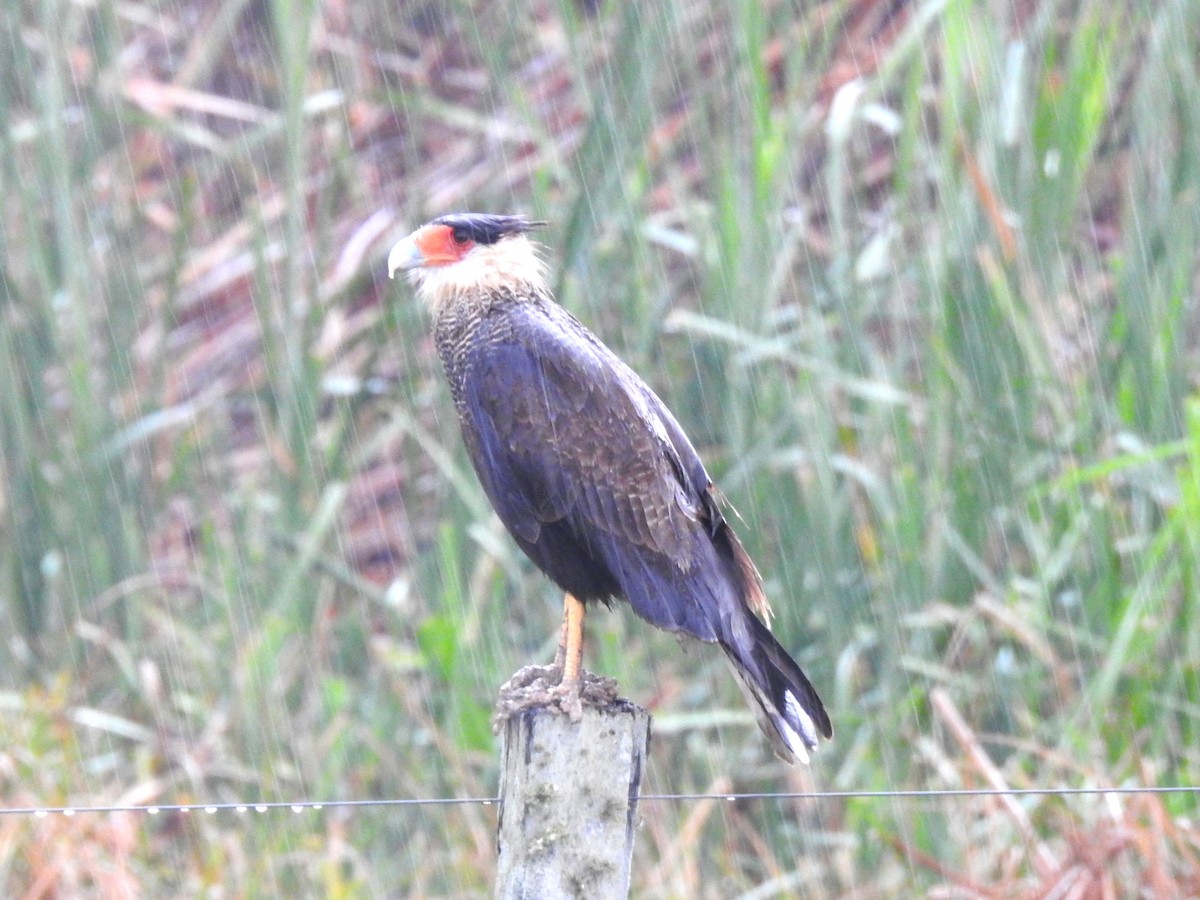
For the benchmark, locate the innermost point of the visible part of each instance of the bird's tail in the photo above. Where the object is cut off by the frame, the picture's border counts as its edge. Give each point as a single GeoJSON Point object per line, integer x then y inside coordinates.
{"type": "Point", "coordinates": [783, 700]}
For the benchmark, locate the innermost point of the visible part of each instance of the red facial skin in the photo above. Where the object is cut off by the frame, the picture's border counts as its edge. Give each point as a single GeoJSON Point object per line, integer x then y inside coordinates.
{"type": "Point", "coordinates": [439, 247]}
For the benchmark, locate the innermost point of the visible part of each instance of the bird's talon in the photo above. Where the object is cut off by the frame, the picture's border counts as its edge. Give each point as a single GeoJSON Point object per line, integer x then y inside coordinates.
{"type": "Point", "coordinates": [542, 686]}
{"type": "Point", "coordinates": [567, 697]}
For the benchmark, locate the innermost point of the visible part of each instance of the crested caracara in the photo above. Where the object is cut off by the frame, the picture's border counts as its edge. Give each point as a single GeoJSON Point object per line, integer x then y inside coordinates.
{"type": "Point", "coordinates": [589, 471]}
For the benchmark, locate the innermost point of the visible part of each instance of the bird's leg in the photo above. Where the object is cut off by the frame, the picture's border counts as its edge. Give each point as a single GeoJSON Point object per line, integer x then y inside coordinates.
{"type": "Point", "coordinates": [560, 653]}
{"type": "Point", "coordinates": [567, 668]}
{"type": "Point", "coordinates": [568, 657]}
{"type": "Point", "coordinates": [571, 646]}
{"type": "Point", "coordinates": [563, 684]}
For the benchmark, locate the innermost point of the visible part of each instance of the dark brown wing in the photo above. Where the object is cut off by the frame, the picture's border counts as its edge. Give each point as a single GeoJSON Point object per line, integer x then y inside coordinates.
{"type": "Point", "coordinates": [564, 432]}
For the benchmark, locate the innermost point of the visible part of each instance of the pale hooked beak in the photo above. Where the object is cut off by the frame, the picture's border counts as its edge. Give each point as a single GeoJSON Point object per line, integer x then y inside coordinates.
{"type": "Point", "coordinates": [405, 255]}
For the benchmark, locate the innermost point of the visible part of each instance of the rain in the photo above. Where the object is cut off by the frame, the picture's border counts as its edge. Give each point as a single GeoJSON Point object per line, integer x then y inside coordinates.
{"type": "Point", "coordinates": [919, 280]}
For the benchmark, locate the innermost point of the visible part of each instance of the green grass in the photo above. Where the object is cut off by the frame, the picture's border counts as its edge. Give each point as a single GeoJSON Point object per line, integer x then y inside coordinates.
{"type": "Point", "coordinates": [934, 331]}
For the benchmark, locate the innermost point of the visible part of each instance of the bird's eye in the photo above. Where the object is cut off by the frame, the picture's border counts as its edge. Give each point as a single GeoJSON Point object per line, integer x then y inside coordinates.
{"type": "Point", "coordinates": [460, 235]}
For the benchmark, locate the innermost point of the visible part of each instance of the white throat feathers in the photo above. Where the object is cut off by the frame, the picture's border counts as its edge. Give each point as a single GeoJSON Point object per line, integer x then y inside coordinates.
{"type": "Point", "coordinates": [512, 263]}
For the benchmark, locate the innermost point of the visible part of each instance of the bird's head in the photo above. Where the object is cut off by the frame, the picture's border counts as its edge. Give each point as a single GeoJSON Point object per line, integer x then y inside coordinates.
{"type": "Point", "coordinates": [470, 254]}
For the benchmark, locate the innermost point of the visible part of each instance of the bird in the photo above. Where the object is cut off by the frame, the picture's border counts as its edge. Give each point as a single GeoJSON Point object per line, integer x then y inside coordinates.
{"type": "Point", "coordinates": [589, 471]}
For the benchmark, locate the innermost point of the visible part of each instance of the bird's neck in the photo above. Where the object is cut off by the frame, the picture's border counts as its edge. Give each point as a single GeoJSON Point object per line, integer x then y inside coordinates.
{"type": "Point", "coordinates": [467, 323]}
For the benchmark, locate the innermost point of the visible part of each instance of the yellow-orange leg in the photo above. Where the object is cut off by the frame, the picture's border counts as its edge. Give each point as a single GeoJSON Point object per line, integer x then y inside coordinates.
{"type": "Point", "coordinates": [560, 652]}
{"type": "Point", "coordinates": [571, 646]}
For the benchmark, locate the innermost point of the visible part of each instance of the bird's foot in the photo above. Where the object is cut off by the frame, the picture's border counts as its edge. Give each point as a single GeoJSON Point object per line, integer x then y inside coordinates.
{"type": "Point", "coordinates": [543, 686]}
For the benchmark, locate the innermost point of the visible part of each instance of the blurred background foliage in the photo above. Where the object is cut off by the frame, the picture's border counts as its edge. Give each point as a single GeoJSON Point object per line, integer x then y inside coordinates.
{"type": "Point", "coordinates": [919, 278]}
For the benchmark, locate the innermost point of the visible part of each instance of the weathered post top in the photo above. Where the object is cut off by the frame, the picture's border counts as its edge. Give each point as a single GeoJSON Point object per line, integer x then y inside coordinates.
{"type": "Point", "coordinates": [568, 801]}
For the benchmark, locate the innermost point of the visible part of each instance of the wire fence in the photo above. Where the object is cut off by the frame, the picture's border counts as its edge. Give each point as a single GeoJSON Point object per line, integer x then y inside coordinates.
{"type": "Point", "coordinates": [298, 806]}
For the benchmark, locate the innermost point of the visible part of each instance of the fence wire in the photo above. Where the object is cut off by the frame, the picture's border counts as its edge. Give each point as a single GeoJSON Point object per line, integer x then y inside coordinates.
{"type": "Point", "coordinates": [298, 806]}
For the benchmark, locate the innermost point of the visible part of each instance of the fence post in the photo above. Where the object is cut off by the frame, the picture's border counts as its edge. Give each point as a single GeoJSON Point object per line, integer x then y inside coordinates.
{"type": "Point", "coordinates": [568, 801]}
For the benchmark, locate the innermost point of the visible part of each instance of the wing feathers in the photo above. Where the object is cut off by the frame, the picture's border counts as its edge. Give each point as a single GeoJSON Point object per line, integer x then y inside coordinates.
{"type": "Point", "coordinates": [570, 429]}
